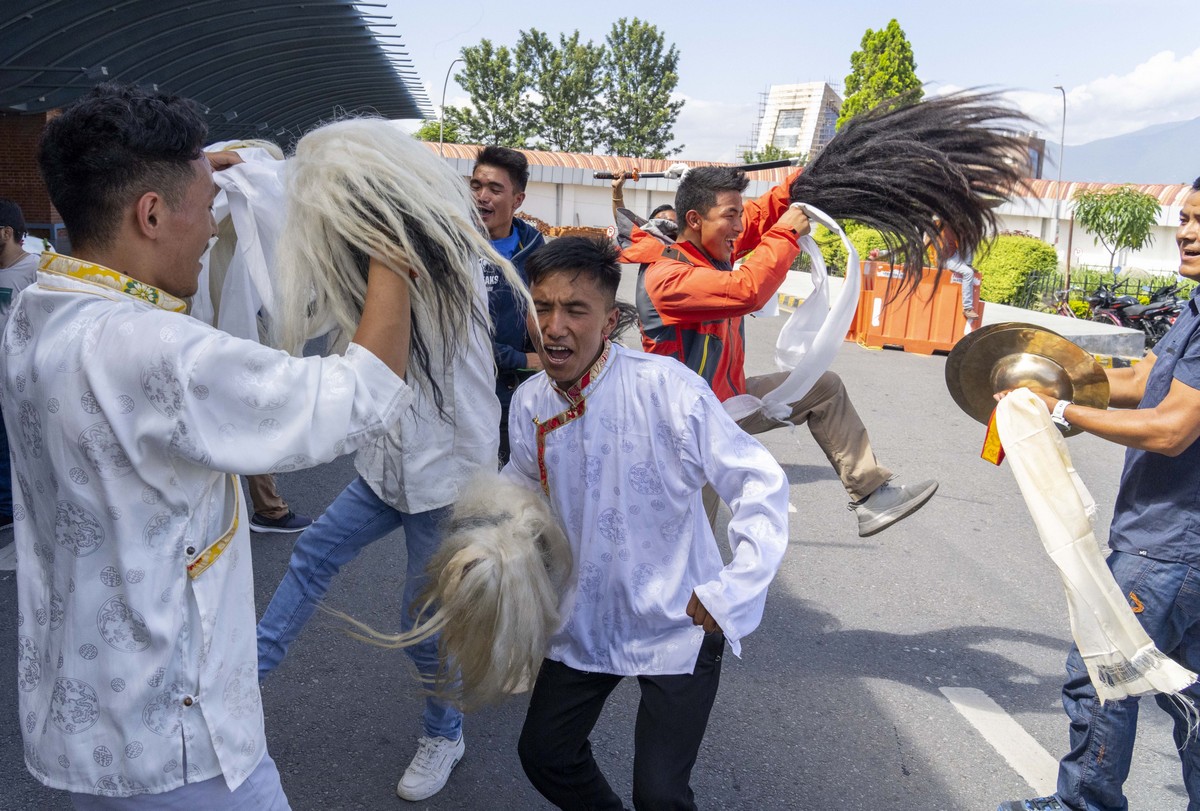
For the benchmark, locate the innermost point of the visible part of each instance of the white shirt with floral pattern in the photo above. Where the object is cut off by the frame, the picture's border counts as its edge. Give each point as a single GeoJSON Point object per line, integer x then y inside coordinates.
{"type": "Point", "coordinates": [126, 419]}
{"type": "Point", "coordinates": [625, 480]}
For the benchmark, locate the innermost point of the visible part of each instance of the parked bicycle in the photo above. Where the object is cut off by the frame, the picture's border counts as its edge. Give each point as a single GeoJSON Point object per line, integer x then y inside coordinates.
{"type": "Point", "coordinates": [1062, 303]}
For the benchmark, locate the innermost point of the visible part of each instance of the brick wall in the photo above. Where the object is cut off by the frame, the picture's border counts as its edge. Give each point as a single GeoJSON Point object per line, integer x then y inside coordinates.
{"type": "Point", "coordinates": [20, 180]}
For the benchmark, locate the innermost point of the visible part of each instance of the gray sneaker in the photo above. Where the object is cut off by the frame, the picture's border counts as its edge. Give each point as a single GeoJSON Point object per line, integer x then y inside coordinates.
{"type": "Point", "coordinates": [1036, 804]}
{"type": "Point", "coordinates": [889, 503]}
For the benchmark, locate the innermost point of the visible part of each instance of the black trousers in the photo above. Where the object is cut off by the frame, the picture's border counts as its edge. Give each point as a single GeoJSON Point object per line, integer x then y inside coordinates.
{"type": "Point", "coordinates": [671, 720]}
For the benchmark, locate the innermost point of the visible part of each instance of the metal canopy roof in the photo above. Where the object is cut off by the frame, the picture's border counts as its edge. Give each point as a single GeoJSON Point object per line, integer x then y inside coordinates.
{"type": "Point", "coordinates": [261, 68]}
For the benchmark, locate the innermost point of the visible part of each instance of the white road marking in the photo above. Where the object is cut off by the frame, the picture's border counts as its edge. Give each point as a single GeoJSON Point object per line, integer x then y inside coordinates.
{"type": "Point", "coordinates": [1025, 755]}
{"type": "Point", "coordinates": [791, 507]}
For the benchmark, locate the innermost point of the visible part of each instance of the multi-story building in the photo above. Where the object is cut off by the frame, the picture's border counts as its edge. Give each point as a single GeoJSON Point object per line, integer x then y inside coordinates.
{"type": "Point", "coordinates": [799, 118]}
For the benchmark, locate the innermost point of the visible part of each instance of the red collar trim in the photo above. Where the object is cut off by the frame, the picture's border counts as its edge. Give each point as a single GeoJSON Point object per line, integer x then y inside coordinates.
{"type": "Point", "coordinates": [577, 404]}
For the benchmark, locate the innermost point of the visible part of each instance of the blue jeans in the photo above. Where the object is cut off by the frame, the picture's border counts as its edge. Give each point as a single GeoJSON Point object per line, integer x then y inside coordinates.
{"type": "Point", "coordinates": [356, 518]}
{"type": "Point", "coordinates": [1090, 777]}
{"type": "Point", "coordinates": [964, 274]}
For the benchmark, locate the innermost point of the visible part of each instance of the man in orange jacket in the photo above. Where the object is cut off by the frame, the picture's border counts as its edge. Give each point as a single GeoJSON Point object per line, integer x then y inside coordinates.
{"type": "Point", "coordinates": [691, 302]}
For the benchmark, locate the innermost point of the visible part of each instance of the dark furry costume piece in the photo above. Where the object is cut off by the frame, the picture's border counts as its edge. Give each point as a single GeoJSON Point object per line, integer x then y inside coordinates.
{"type": "Point", "coordinates": [900, 165]}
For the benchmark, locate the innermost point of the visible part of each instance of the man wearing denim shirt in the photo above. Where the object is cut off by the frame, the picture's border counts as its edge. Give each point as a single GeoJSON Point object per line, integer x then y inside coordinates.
{"type": "Point", "coordinates": [1155, 538]}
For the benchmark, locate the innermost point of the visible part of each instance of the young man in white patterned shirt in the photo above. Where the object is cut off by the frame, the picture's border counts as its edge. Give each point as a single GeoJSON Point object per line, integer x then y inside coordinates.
{"type": "Point", "coordinates": [622, 443]}
{"type": "Point", "coordinates": [130, 420]}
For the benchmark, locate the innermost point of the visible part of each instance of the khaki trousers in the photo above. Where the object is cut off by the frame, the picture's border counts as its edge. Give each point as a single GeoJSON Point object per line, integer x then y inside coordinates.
{"type": "Point", "coordinates": [835, 426]}
{"type": "Point", "coordinates": [265, 498]}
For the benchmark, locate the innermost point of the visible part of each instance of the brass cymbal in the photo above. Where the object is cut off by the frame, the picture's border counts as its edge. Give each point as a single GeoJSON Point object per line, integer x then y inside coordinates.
{"type": "Point", "coordinates": [1012, 355]}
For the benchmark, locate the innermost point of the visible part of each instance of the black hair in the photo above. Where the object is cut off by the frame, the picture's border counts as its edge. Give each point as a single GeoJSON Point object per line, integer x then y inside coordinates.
{"type": "Point", "coordinates": [111, 146]}
{"type": "Point", "coordinates": [903, 163]}
{"type": "Point", "coordinates": [699, 188]}
{"type": "Point", "coordinates": [660, 210]}
{"type": "Point", "coordinates": [11, 216]}
{"type": "Point", "coordinates": [510, 160]}
{"type": "Point", "coordinates": [590, 256]}
{"type": "Point", "coordinates": [1196, 184]}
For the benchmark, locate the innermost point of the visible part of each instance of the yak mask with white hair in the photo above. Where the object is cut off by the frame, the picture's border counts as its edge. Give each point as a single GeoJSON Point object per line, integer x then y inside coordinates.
{"type": "Point", "coordinates": [361, 189]}
{"type": "Point", "coordinates": [493, 593]}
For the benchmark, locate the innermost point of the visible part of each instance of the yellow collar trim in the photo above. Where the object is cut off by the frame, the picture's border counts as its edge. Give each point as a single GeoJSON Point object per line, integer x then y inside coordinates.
{"type": "Point", "coordinates": [62, 265]}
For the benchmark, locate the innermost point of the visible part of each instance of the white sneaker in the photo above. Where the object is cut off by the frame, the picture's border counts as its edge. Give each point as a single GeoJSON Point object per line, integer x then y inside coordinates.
{"type": "Point", "coordinates": [430, 768]}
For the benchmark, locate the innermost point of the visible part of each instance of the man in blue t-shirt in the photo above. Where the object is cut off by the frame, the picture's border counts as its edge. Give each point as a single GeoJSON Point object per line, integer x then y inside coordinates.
{"type": "Point", "coordinates": [1155, 538]}
{"type": "Point", "coordinates": [498, 185]}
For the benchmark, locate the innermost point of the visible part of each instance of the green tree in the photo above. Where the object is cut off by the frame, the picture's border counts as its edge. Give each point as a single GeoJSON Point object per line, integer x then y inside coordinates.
{"type": "Point", "coordinates": [770, 153]}
{"type": "Point", "coordinates": [497, 85]}
{"type": "Point", "coordinates": [883, 68]}
{"type": "Point", "coordinates": [431, 131]}
{"type": "Point", "coordinates": [1118, 218]}
{"type": "Point", "coordinates": [567, 79]}
{"type": "Point", "coordinates": [639, 71]}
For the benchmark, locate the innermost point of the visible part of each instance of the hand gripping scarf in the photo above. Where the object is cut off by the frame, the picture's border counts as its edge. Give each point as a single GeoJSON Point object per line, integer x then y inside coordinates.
{"type": "Point", "coordinates": [1120, 657]}
{"type": "Point", "coordinates": [812, 334]}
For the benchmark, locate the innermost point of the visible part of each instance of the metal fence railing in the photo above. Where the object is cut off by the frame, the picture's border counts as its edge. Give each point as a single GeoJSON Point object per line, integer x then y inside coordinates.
{"type": "Point", "coordinates": [1043, 287]}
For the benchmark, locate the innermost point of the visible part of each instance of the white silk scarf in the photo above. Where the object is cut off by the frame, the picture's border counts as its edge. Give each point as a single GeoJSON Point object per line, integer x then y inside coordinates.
{"type": "Point", "coordinates": [812, 334]}
{"type": "Point", "coordinates": [1120, 657]}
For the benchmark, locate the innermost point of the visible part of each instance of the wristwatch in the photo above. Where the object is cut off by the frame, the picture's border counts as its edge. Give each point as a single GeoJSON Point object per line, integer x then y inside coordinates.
{"type": "Point", "coordinates": [1058, 415]}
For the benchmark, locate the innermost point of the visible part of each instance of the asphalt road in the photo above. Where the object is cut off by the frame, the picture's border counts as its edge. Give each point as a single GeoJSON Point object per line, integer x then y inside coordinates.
{"type": "Point", "coordinates": [837, 702]}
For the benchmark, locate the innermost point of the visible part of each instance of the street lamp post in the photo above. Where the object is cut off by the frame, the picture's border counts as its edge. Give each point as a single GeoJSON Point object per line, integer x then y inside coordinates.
{"type": "Point", "coordinates": [442, 111]}
{"type": "Point", "coordinates": [1061, 146]}
{"type": "Point", "coordinates": [1057, 194]}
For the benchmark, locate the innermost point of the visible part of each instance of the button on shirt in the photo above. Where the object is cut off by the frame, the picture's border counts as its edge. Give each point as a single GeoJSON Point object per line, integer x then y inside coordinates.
{"type": "Point", "coordinates": [135, 595]}
{"type": "Point", "coordinates": [625, 480]}
{"type": "Point", "coordinates": [1157, 513]}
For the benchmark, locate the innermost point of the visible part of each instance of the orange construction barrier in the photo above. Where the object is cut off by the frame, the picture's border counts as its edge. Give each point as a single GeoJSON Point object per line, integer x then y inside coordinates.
{"type": "Point", "coordinates": [926, 320]}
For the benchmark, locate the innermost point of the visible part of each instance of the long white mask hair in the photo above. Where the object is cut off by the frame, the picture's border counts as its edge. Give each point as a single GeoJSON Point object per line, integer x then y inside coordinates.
{"type": "Point", "coordinates": [361, 189]}
{"type": "Point", "coordinates": [493, 594]}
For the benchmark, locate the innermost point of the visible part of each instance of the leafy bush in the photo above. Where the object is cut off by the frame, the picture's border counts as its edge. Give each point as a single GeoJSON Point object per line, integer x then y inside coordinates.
{"type": "Point", "coordinates": [1007, 261]}
{"type": "Point", "coordinates": [863, 238]}
{"type": "Point", "coordinates": [832, 250]}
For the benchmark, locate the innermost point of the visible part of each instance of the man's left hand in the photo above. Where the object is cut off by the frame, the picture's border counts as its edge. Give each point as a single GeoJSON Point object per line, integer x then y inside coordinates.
{"type": "Point", "coordinates": [700, 615]}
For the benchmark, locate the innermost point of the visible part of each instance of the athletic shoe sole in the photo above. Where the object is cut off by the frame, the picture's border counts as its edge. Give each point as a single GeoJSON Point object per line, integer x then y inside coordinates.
{"type": "Point", "coordinates": [264, 530]}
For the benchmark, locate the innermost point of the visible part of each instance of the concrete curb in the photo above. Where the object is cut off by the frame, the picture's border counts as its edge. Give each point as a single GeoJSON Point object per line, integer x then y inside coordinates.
{"type": "Point", "coordinates": [1115, 361]}
{"type": "Point", "coordinates": [789, 301]}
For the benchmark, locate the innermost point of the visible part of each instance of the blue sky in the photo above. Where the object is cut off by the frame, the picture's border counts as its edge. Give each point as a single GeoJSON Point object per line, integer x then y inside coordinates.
{"type": "Point", "coordinates": [1125, 65]}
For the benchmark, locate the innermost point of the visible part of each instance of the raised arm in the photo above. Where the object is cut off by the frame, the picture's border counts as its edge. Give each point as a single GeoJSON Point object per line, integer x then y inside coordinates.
{"type": "Point", "coordinates": [386, 324]}
{"type": "Point", "coordinates": [760, 215]}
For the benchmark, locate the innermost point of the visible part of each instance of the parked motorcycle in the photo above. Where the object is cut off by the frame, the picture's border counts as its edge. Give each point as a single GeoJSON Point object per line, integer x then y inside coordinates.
{"type": "Point", "coordinates": [1153, 318]}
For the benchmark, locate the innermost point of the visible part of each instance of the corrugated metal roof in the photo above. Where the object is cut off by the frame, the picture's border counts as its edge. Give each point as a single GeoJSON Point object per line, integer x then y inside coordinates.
{"type": "Point", "coordinates": [1168, 195]}
{"type": "Point", "coordinates": [262, 68]}
{"type": "Point", "coordinates": [598, 163]}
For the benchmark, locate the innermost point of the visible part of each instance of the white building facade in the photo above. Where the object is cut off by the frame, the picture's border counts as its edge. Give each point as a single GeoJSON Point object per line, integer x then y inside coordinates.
{"type": "Point", "coordinates": [799, 118]}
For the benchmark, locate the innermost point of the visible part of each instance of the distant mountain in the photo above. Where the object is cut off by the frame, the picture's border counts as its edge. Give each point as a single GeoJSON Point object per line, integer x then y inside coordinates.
{"type": "Point", "coordinates": [1163, 153]}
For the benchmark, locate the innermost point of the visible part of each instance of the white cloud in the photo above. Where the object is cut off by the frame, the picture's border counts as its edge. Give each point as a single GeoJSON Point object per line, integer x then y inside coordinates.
{"type": "Point", "coordinates": [712, 130]}
{"type": "Point", "coordinates": [1163, 89]}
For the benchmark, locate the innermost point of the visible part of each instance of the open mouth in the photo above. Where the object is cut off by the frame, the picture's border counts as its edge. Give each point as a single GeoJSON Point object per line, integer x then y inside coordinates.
{"type": "Point", "coordinates": [484, 212]}
{"type": "Point", "coordinates": [558, 354]}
